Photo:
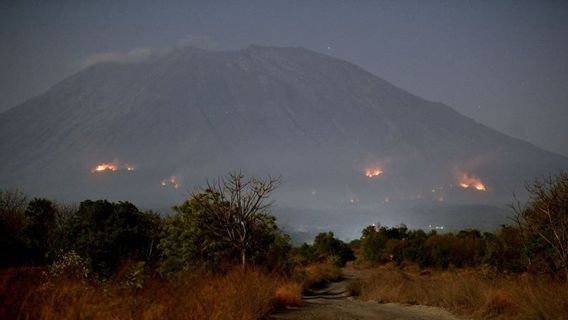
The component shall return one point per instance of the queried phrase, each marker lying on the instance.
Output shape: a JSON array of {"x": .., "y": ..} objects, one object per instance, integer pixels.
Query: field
[{"x": 473, "y": 293}]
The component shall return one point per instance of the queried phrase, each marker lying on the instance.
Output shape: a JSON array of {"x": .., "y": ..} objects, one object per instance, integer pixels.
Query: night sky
[{"x": 504, "y": 63}]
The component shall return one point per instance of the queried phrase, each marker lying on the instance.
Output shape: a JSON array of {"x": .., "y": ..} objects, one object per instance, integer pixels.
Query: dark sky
[{"x": 504, "y": 63}]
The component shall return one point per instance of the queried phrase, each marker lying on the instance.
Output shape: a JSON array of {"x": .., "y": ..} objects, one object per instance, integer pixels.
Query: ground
[{"x": 334, "y": 301}]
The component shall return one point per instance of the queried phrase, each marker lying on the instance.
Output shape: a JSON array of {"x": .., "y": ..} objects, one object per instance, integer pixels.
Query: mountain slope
[{"x": 318, "y": 121}]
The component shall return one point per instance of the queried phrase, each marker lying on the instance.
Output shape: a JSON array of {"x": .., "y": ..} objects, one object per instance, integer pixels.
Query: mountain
[{"x": 165, "y": 124}]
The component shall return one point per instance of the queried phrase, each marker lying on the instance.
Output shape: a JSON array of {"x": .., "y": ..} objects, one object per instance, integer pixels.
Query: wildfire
[
  {"x": 171, "y": 181},
  {"x": 111, "y": 166},
  {"x": 105, "y": 167},
  {"x": 466, "y": 181},
  {"x": 373, "y": 172}
]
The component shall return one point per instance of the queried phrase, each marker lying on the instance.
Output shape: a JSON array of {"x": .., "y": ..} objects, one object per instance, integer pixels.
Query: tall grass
[
  {"x": 318, "y": 274},
  {"x": 234, "y": 295},
  {"x": 473, "y": 293}
]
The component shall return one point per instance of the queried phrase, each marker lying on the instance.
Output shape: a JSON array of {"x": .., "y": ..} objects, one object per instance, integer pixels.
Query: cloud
[{"x": 144, "y": 54}]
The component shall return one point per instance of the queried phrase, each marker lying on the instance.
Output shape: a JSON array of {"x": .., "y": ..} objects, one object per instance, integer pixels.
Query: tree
[
  {"x": 233, "y": 213},
  {"x": 327, "y": 246},
  {"x": 544, "y": 223},
  {"x": 185, "y": 243},
  {"x": 107, "y": 233},
  {"x": 373, "y": 242},
  {"x": 504, "y": 250},
  {"x": 12, "y": 220},
  {"x": 39, "y": 230}
]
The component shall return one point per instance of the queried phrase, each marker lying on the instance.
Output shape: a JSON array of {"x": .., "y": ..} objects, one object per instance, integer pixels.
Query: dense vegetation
[
  {"x": 226, "y": 230},
  {"x": 502, "y": 250}
]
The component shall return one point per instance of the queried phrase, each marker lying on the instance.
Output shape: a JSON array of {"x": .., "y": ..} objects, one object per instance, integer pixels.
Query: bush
[
  {"x": 327, "y": 247},
  {"x": 13, "y": 250},
  {"x": 106, "y": 234},
  {"x": 234, "y": 295},
  {"x": 472, "y": 294},
  {"x": 195, "y": 237},
  {"x": 68, "y": 266},
  {"x": 544, "y": 224}
]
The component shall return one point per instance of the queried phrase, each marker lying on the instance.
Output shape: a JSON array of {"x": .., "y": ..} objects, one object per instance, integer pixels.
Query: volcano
[{"x": 348, "y": 145}]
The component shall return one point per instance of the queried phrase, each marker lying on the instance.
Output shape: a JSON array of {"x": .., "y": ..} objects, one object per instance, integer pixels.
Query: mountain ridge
[{"x": 317, "y": 120}]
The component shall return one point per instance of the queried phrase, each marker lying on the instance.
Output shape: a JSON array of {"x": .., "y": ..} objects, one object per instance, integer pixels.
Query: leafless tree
[
  {"x": 12, "y": 201},
  {"x": 64, "y": 211},
  {"x": 545, "y": 216},
  {"x": 243, "y": 218}
]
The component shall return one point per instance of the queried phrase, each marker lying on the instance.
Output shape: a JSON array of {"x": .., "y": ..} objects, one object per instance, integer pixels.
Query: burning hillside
[
  {"x": 467, "y": 181},
  {"x": 373, "y": 172},
  {"x": 111, "y": 166},
  {"x": 171, "y": 181}
]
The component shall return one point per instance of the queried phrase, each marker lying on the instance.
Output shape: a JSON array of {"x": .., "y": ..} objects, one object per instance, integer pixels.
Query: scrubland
[
  {"x": 219, "y": 257},
  {"x": 29, "y": 293},
  {"x": 470, "y": 292},
  {"x": 236, "y": 294}
]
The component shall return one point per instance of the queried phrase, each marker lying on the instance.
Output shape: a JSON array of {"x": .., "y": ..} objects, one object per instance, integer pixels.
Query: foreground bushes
[
  {"x": 233, "y": 295},
  {"x": 471, "y": 292}
]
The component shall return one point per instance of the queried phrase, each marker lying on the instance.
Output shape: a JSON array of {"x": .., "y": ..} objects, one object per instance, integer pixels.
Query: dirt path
[{"x": 335, "y": 302}]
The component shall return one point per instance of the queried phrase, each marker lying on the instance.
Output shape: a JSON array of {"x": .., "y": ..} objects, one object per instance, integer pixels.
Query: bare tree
[
  {"x": 12, "y": 201},
  {"x": 243, "y": 219},
  {"x": 545, "y": 217}
]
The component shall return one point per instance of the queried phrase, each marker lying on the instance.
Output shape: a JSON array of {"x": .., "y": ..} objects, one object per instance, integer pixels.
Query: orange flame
[
  {"x": 466, "y": 181},
  {"x": 172, "y": 181},
  {"x": 373, "y": 172},
  {"x": 112, "y": 166},
  {"x": 105, "y": 167}
]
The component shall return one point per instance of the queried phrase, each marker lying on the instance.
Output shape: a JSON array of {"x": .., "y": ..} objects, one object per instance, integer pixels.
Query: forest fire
[
  {"x": 104, "y": 167},
  {"x": 373, "y": 172},
  {"x": 466, "y": 181},
  {"x": 111, "y": 166},
  {"x": 171, "y": 181}
]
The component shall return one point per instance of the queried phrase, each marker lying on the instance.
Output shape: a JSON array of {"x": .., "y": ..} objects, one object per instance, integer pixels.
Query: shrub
[
  {"x": 106, "y": 234},
  {"x": 326, "y": 246},
  {"x": 68, "y": 266}
]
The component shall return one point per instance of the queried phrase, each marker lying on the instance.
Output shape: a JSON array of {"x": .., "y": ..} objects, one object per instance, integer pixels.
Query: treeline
[
  {"x": 221, "y": 226},
  {"x": 228, "y": 223},
  {"x": 101, "y": 236},
  {"x": 537, "y": 240},
  {"x": 502, "y": 250}
]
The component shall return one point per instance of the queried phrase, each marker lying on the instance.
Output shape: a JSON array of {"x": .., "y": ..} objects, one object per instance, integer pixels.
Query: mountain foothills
[{"x": 351, "y": 148}]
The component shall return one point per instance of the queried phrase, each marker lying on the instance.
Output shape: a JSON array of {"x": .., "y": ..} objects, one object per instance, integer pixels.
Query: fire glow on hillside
[
  {"x": 171, "y": 181},
  {"x": 104, "y": 167},
  {"x": 373, "y": 172},
  {"x": 111, "y": 166},
  {"x": 469, "y": 181}
]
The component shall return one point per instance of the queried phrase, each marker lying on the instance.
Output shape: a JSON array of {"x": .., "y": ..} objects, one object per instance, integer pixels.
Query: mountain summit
[{"x": 340, "y": 137}]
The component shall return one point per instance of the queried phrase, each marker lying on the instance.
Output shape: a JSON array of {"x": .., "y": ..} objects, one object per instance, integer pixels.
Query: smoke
[
  {"x": 147, "y": 53},
  {"x": 134, "y": 55}
]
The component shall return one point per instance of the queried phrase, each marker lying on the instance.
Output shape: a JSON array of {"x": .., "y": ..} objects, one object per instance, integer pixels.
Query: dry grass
[
  {"x": 289, "y": 294},
  {"x": 318, "y": 274},
  {"x": 472, "y": 293},
  {"x": 235, "y": 295},
  {"x": 17, "y": 286}
]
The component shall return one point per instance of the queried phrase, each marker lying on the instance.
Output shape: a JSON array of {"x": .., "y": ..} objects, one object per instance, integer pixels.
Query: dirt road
[{"x": 335, "y": 302}]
